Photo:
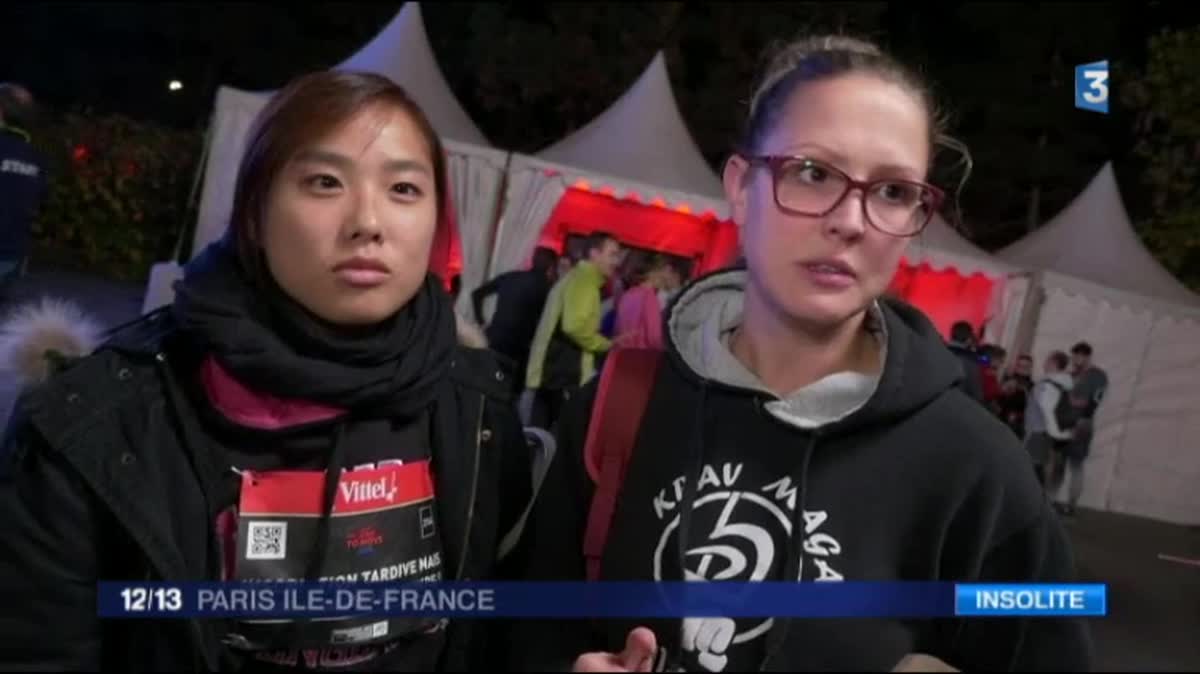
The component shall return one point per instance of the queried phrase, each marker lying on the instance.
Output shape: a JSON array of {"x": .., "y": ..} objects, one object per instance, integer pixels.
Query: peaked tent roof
[
  {"x": 641, "y": 136},
  {"x": 402, "y": 52},
  {"x": 941, "y": 246},
  {"x": 1093, "y": 239}
]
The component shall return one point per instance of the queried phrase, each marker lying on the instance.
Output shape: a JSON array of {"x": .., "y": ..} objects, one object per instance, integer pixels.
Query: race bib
[{"x": 382, "y": 528}]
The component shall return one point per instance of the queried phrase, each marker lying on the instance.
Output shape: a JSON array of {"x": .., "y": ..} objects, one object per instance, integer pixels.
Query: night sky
[{"x": 528, "y": 74}]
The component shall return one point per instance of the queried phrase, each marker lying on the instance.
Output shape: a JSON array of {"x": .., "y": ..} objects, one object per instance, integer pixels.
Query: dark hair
[
  {"x": 824, "y": 57},
  {"x": 1082, "y": 349},
  {"x": 674, "y": 266},
  {"x": 1059, "y": 359},
  {"x": 962, "y": 332},
  {"x": 544, "y": 259},
  {"x": 17, "y": 107},
  {"x": 1025, "y": 356},
  {"x": 596, "y": 241},
  {"x": 311, "y": 106},
  {"x": 647, "y": 264}
]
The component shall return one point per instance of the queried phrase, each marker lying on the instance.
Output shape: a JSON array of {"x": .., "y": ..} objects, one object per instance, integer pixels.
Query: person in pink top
[{"x": 639, "y": 311}]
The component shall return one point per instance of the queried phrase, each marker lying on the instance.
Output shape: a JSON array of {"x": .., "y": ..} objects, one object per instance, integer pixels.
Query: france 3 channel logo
[{"x": 1091, "y": 87}]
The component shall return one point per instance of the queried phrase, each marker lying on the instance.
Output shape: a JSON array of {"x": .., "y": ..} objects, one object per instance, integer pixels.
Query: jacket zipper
[{"x": 462, "y": 563}]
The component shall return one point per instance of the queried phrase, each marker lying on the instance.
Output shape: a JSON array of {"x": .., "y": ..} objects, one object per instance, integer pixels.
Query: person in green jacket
[{"x": 568, "y": 340}]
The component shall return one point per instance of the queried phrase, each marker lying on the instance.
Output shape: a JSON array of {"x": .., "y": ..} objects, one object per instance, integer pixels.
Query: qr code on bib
[{"x": 268, "y": 540}]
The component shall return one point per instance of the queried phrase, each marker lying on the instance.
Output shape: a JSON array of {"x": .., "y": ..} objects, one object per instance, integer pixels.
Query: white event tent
[
  {"x": 401, "y": 52},
  {"x": 1098, "y": 283},
  {"x": 638, "y": 148}
]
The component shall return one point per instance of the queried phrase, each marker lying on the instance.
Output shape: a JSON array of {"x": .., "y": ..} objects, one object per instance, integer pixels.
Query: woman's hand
[{"x": 638, "y": 656}]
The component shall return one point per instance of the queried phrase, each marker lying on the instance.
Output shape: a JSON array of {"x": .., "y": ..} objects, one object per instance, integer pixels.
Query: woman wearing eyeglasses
[{"x": 802, "y": 425}]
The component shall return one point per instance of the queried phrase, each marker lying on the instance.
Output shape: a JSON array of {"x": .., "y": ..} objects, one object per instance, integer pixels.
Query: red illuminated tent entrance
[
  {"x": 703, "y": 238},
  {"x": 945, "y": 295}
]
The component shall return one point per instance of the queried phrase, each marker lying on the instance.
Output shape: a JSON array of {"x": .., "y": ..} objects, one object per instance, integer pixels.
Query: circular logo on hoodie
[{"x": 735, "y": 535}]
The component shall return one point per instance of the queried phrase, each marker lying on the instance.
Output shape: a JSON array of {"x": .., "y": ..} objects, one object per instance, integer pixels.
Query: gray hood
[{"x": 700, "y": 323}]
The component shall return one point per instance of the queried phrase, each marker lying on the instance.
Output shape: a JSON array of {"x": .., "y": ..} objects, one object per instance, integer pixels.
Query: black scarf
[{"x": 272, "y": 344}]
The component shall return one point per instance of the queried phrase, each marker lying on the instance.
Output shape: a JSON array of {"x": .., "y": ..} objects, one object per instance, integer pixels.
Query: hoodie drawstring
[
  {"x": 695, "y": 467},
  {"x": 333, "y": 474},
  {"x": 793, "y": 563}
]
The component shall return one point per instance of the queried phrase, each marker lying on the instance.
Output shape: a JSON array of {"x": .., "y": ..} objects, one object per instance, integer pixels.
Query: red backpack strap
[{"x": 621, "y": 399}]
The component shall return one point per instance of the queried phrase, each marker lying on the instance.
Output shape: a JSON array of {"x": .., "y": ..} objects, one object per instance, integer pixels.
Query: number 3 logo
[
  {"x": 1098, "y": 83},
  {"x": 1091, "y": 86}
]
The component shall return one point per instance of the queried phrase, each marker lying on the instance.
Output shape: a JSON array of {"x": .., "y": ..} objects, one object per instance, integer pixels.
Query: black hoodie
[{"x": 900, "y": 477}]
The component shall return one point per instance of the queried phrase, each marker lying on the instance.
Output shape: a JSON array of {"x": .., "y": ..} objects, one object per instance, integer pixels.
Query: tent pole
[{"x": 192, "y": 196}]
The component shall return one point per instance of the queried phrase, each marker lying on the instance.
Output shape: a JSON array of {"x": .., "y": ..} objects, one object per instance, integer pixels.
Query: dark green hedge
[{"x": 118, "y": 194}]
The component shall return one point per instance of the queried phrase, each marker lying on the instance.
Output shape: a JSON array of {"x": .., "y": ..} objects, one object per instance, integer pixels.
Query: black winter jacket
[{"x": 97, "y": 485}]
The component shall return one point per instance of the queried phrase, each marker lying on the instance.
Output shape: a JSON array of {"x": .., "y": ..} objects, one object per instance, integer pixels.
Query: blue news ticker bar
[
  {"x": 1026, "y": 599},
  {"x": 596, "y": 600}
]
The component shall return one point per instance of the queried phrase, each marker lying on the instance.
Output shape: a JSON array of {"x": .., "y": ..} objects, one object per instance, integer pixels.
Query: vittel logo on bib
[{"x": 359, "y": 492}]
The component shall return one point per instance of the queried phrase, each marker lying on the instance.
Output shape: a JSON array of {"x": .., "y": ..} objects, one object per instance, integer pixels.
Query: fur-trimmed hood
[{"x": 37, "y": 336}]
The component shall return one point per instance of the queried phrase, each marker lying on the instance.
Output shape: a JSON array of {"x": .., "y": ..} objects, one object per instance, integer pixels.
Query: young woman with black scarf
[{"x": 302, "y": 411}]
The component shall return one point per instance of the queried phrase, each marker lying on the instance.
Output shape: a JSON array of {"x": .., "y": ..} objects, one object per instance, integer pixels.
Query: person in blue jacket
[{"x": 22, "y": 179}]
